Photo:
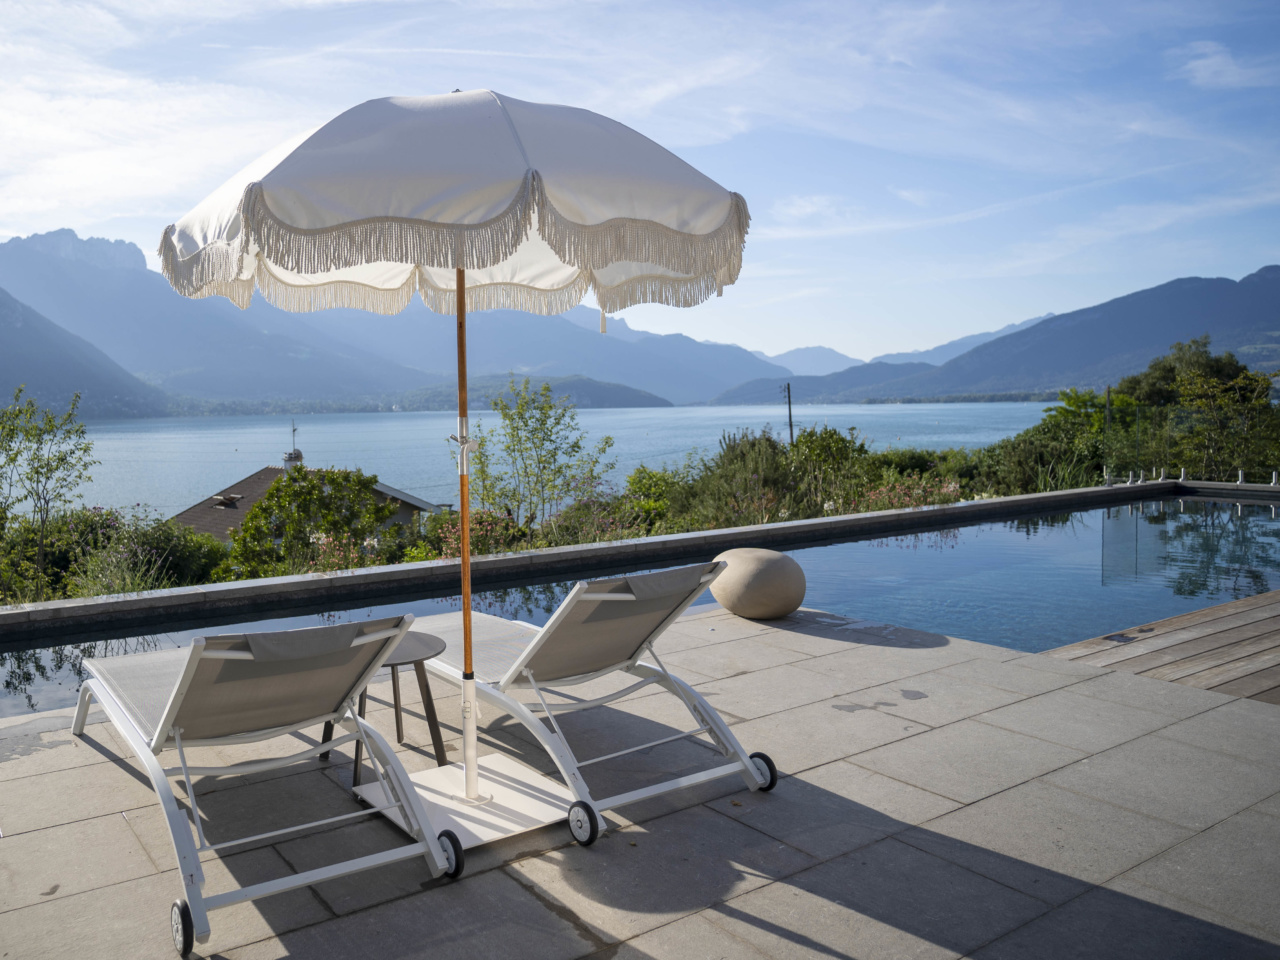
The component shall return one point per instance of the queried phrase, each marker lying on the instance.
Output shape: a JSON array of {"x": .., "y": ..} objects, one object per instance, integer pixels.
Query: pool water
[
  {"x": 1029, "y": 584},
  {"x": 1035, "y": 584}
]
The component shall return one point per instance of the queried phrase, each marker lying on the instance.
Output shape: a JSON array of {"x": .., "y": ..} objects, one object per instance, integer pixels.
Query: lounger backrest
[
  {"x": 294, "y": 677},
  {"x": 588, "y": 635}
]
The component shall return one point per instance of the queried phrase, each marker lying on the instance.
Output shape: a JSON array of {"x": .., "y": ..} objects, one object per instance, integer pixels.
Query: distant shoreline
[{"x": 198, "y": 409}]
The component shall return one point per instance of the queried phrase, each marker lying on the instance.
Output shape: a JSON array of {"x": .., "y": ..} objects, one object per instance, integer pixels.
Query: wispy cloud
[
  {"x": 114, "y": 110},
  {"x": 918, "y": 198},
  {"x": 1212, "y": 66},
  {"x": 1121, "y": 223}
]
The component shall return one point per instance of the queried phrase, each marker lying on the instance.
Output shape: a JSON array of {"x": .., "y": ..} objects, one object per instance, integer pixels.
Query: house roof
[{"x": 223, "y": 512}]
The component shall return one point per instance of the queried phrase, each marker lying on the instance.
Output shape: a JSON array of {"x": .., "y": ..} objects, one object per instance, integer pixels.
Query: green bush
[
  {"x": 91, "y": 551},
  {"x": 308, "y": 521}
]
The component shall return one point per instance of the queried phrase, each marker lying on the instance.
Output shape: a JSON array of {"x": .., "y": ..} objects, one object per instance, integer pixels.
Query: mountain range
[
  {"x": 208, "y": 349},
  {"x": 89, "y": 315},
  {"x": 1087, "y": 348},
  {"x": 953, "y": 348},
  {"x": 811, "y": 361}
]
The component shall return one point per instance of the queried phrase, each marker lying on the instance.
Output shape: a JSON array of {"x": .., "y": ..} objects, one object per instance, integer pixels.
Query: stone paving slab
[
  {"x": 1083, "y": 723},
  {"x": 1231, "y": 867},
  {"x": 788, "y": 735},
  {"x": 934, "y": 699},
  {"x": 645, "y": 876},
  {"x": 968, "y": 760},
  {"x": 940, "y": 798},
  {"x": 1174, "y": 781},
  {"x": 1049, "y": 843},
  {"x": 918, "y": 906},
  {"x": 835, "y": 808}
]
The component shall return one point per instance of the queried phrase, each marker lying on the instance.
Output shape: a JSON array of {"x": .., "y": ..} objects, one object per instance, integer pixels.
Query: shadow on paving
[
  {"x": 888, "y": 888},
  {"x": 804, "y": 871}
]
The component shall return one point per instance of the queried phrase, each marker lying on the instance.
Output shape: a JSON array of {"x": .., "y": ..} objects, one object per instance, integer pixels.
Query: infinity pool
[{"x": 1029, "y": 584}]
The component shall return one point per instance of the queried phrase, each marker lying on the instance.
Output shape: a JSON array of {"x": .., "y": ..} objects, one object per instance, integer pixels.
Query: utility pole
[{"x": 791, "y": 430}]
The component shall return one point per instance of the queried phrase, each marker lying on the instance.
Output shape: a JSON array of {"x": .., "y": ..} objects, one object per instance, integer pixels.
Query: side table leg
[
  {"x": 355, "y": 774},
  {"x": 429, "y": 708},
  {"x": 325, "y": 738},
  {"x": 395, "y": 696}
]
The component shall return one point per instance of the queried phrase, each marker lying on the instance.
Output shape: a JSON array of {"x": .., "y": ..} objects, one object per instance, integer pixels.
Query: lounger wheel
[
  {"x": 583, "y": 823},
  {"x": 455, "y": 860},
  {"x": 766, "y": 769},
  {"x": 183, "y": 929}
]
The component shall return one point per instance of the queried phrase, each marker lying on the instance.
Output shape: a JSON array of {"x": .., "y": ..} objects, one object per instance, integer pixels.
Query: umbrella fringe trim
[
  {"x": 595, "y": 246},
  {"x": 212, "y": 270},
  {"x": 387, "y": 239},
  {"x": 670, "y": 291},
  {"x": 304, "y": 298},
  {"x": 507, "y": 296}
]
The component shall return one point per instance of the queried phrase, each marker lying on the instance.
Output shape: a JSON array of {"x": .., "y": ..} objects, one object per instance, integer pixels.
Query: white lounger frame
[
  {"x": 553, "y": 739},
  {"x": 387, "y": 767}
]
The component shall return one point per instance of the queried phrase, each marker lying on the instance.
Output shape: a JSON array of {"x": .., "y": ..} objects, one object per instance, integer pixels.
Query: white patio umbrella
[{"x": 476, "y": 201}]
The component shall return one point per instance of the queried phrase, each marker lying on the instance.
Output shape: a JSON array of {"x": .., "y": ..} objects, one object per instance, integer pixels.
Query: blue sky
[{"x": 915, "y": 171}]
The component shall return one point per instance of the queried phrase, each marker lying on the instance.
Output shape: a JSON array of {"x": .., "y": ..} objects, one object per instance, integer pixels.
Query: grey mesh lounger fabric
[
  {"x": 239, "y": 688},
  {"x": 602, "y": 627}
]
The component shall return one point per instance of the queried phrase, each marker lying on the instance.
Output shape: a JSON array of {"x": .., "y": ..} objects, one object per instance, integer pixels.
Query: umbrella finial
[{"x": 602, "y": 318}]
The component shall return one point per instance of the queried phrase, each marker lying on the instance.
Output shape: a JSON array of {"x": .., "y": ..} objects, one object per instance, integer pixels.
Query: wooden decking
[{"x": 1232, "y": 648}]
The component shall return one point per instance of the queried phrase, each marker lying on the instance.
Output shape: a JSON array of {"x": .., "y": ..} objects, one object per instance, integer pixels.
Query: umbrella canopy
[
  {"x": 519, "y": 205},
  {"x": 539, "y": 203}
]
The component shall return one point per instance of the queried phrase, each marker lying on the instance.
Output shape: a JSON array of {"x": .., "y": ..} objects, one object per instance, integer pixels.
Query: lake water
[
  {"x": 1030, "y": 584},
  {"x": 171, "y": 464}
]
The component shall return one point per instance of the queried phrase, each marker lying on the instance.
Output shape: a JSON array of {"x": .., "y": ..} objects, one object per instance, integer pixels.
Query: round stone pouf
[{"x": 759, "y": 584}]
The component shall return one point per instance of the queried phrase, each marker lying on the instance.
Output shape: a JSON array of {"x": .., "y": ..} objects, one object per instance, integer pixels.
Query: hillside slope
[
  {"x": 583, "y": 392},
  {"x": 832, "y": 388},
  {"x": 953, "y": 348},
  {"x": 53, "y": 365},
  {"x": 102, "y": 291}
]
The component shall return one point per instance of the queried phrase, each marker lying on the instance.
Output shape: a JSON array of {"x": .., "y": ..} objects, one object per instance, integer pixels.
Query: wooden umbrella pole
[{"x": 471, "y": 774}]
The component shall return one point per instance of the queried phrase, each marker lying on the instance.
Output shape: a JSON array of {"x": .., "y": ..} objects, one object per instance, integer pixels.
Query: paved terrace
[{"x": 942, "y": 798}]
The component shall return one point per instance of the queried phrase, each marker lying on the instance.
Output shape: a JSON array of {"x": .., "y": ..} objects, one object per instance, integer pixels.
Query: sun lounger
[
  {"x": 242, "y": 688},
  {"x": 602, "y": 627}
]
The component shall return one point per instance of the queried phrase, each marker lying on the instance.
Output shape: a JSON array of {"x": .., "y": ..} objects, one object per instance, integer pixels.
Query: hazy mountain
[
  {"x": 589, "y": 319},
  {"x": 1087, "y": 348},
  {"x": 953, "y": 348},
  {"x": 832, "y": 388},
  {"x": 811, "y": 361},
  {"x": 54, "y": 364},
  {"x": 672, "y": 366},
  {"x": 584, "y": 392},
  {"x": 101, "y": 290}
]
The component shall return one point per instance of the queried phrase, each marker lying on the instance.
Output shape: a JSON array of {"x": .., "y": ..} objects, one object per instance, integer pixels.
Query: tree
[
  {"x": 1157, "y": 386},
  {"x": 11, "y": 456},
  {"x": 309, "y": 520},
  {"x": 56, "y": 456},
  {"x": 1231, "y": 425},
  {"x": 538, "y": 459}
]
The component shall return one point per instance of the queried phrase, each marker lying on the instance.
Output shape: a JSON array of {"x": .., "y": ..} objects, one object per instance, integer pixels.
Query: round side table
[{"x": 413, "y": 648}]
